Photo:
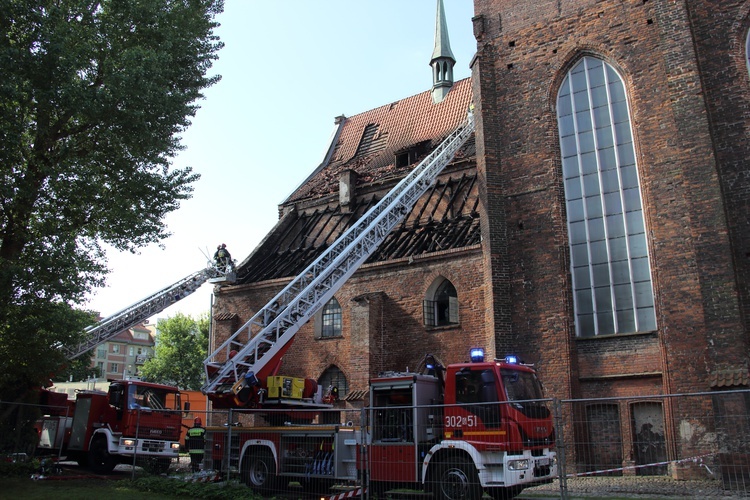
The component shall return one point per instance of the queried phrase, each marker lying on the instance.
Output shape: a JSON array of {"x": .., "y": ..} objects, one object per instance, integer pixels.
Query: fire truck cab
[{"x": 482, "y": 428}]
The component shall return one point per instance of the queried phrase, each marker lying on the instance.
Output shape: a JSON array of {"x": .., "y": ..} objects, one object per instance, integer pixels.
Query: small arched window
[
  {"x": 334, "y": 377},
  {"x": 441, "y": 304},
  {"x": 329, "y": 321}
]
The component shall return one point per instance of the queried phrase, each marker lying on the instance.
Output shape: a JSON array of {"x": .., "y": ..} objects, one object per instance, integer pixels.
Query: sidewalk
[{"x": 662, "y": 487}]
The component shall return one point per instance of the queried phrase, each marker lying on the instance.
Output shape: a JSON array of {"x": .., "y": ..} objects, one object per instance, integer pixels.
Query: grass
[
  {"x": 17, "y": 481},
  {"x": 24, "y": 487}
]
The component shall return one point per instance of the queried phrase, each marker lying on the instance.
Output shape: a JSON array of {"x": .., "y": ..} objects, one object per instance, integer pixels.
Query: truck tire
[
  {"x": 259, "y": 470},
  {"x": 100, "y": 461},
  {"x": 456, "y": 479}
]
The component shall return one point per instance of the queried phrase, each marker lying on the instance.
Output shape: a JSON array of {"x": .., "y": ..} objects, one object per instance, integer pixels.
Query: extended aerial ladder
[
  {"x": 110, "y": 326},
  {"x": 235, "y": 369}
]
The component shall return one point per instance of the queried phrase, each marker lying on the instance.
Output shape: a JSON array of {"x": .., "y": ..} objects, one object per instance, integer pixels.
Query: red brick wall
[
  {"x": 524, "y": 52},
  {"x": 721, "y": 30},
  {"x": 383, "y": 326}
]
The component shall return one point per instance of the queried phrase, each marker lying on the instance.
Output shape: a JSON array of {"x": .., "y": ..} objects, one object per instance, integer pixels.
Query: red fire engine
[
  {"x": 455, "y": 431},
  {"x": 101, "y": 429},
  {"x": 134, "y": 420}
]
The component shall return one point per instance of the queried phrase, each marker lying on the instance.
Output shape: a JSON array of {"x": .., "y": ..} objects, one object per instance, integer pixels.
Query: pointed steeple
[{"x": 442, "y": 61}]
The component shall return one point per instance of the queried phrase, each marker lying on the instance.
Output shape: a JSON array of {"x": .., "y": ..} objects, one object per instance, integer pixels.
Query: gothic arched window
[
  {"x": 606, "y": 230},
  {"x": 329, "y": 321},
  {"x": 441, "y": 304},
  {"x": 334, "y": 377}
]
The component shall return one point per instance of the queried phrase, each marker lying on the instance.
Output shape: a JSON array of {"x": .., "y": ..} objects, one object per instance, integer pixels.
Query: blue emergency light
[
  {"x": 476, "y": 354},
  {"x": 251, "y": 379},
  {"x": 511, "y": 360}
]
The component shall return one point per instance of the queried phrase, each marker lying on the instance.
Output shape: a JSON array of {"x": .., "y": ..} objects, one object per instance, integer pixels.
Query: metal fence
[{"x": 694, "y": 445}]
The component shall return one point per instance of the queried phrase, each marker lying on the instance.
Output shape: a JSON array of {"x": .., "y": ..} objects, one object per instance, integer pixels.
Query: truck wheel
[
  {"x": 457, "y": 479},
  {"x": 100, "y": 461},
  {"x": 259, "y": 470}
]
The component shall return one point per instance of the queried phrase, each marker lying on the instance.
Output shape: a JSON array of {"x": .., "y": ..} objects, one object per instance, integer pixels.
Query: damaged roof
[
  {"x": 368, "y": 143},
  {"x": 446, "y": 217}
]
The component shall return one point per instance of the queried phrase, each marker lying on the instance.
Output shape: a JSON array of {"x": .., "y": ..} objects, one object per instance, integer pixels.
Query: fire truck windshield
[
  {"x": 140, "y": 397},
  {"x": 521, "y": 385}
]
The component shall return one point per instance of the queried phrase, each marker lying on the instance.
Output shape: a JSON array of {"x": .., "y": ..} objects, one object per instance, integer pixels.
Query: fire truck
[
  {"x": 133, "y": 422},
  {"x": 457, "y": 430}
]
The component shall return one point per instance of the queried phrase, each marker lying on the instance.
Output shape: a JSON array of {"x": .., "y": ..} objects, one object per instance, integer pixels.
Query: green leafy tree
[
  {"x": 181, "y": 347},
  {"x": 78, "y": 369},
  {"x": 94, "y": 95}
]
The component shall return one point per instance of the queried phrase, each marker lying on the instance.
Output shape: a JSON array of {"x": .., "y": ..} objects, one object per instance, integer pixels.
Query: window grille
[{"x": 335, "y": 377}]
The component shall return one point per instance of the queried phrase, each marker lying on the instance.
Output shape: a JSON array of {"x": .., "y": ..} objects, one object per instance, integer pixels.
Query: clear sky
[{"x": 288, "y": 69}]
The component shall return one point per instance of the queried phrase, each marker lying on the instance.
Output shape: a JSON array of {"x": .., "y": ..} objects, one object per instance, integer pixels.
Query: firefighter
[
  {"x": 223, "y": 258},
  {"x": 195, "y": 443}
]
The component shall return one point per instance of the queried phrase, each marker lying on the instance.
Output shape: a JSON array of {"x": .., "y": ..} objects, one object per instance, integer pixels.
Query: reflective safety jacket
[{"x": 195, "y": 441}]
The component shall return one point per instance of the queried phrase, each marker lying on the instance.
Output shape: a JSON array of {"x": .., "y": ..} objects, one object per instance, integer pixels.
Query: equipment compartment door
[
  {"x": 80, "y": 432},
  {"x": 393, "y": 462}
]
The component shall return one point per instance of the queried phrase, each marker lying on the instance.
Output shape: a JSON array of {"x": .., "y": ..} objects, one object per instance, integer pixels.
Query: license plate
[{"x": 543, "y": 461}]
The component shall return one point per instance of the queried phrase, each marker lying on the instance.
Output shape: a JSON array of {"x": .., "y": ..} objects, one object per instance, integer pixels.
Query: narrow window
[
  {"x": 603, "y": 449},
  {"x": 441, "y": 304},
  {"x": 331, "y": 319},
  {"x": 334, "y": 379},
  {"x": 649, "y": 442},
  {"x": 402, "y": 159},
  {"x": 609, "y": 257}
]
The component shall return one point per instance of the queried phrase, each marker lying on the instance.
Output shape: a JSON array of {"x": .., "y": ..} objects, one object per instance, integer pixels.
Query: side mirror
[
  {"x": 186, "y": 406},
  {"x": 115, "y": 398}
]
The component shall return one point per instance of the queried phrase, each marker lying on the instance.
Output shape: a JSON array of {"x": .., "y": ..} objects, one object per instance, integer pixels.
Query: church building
[
  {"x": 597, "y": 225},
  {"x": 423, "y": 291}
]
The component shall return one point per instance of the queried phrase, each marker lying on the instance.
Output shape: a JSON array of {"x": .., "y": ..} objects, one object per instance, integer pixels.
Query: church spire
[{"x": 442, "y": 58}]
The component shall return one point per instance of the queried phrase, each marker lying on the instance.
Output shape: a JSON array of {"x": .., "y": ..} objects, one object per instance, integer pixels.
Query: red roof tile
[
  {"x": 737, "y": 377},
  {"x": 385, "y": 131}
]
